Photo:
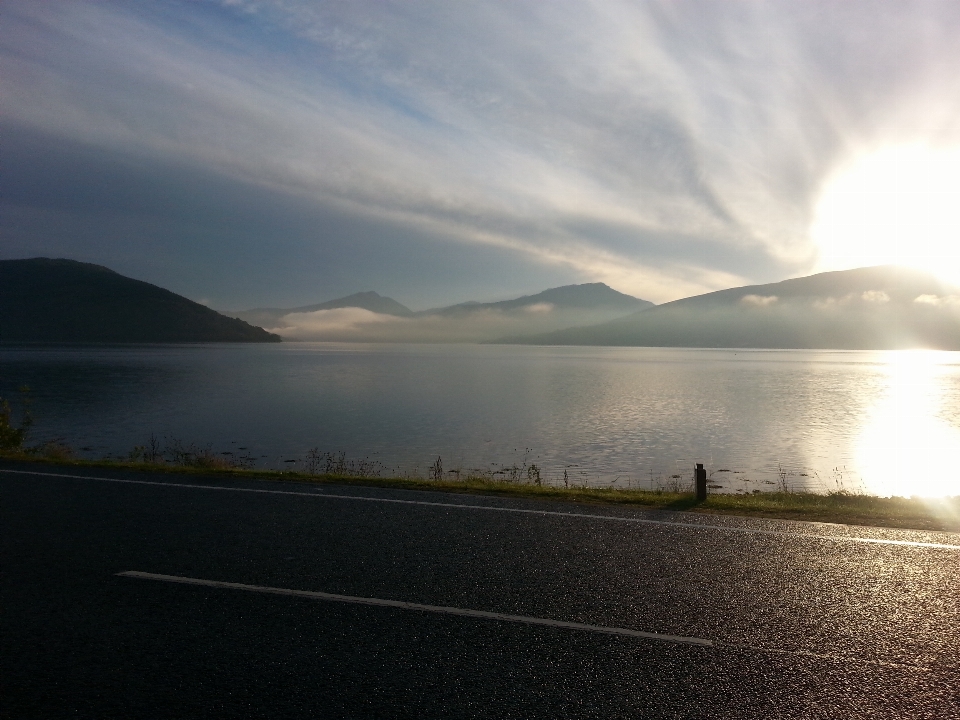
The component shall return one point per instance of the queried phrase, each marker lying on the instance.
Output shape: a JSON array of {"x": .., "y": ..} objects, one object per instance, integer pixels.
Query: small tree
[{"x": 11, "y": 436}]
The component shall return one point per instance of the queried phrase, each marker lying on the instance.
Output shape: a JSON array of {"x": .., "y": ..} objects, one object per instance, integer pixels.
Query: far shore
[{"x": 939, "y": 514}]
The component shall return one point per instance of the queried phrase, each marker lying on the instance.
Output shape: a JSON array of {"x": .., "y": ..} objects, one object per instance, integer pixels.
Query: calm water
[{"x": 885, "y": 422}]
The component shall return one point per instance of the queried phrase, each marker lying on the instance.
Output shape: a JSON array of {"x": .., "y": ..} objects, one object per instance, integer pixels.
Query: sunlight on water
[
  {"x": 877, "y": 422},
  {"x": 906, "y": 447}
]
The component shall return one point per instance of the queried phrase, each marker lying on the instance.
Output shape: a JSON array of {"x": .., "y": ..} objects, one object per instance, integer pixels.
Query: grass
[{"x": 854, "y": 509}]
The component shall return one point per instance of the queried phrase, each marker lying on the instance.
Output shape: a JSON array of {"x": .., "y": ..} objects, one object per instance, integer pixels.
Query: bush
[{"x": 11, "y": 436}]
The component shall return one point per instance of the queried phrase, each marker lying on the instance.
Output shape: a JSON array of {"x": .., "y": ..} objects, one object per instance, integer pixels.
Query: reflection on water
[
  {"x": 906, "y": 446},
  {"x": 641, "y": 417}
]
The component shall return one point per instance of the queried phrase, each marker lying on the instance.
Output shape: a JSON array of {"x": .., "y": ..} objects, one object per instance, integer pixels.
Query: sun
[{"x": 898, "y": 205}]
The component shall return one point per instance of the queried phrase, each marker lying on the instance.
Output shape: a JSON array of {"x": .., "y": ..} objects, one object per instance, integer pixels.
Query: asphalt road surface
[{"x": 152, "y": 596}]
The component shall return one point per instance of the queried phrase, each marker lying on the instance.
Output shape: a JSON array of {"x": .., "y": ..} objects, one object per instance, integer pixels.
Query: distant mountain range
[
  {"x": 44, "y": 300},
  {"x": 872, "y": 308},
  {"x": 869, "y": 308},
  {"x": 369, "y": 317}
]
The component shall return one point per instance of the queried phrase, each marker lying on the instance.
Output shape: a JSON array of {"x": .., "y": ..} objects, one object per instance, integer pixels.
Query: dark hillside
[{"x": 44, "y": 300}]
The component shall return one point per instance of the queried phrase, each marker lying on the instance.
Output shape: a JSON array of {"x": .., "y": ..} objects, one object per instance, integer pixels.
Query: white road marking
[
  {"x": 491, "y": 508},
  {"x": 503, "y": 617},
  {"x": 440, "y": 609}
]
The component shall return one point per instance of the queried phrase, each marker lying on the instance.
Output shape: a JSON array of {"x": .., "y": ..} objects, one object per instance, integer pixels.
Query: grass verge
[{"x": 852, "y": 509}]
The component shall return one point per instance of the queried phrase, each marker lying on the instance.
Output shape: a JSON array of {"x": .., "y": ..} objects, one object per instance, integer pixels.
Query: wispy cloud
[
  {"x": 664, "y": 148},
  {"x": 950, "y": 301},
  {"x": 338, "y": 323},
  {"x": 458, "y": 324},
  {"x": 758, "y": 300}
]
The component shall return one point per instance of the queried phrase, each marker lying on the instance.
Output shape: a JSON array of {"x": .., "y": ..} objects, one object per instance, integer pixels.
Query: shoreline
[{"x": 933, "y": 514}]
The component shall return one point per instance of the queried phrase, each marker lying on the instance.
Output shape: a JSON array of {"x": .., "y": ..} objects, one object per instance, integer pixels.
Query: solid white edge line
[
  {"x": 526, "y": 511},
  {"x": 439, "y": 609},
  {"x": 503, "y": 617}
]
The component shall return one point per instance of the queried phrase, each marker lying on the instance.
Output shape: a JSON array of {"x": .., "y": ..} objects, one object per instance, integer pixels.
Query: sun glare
[
  {"x": 905, "y": 447},
  {"x": 899, "y": 205}
]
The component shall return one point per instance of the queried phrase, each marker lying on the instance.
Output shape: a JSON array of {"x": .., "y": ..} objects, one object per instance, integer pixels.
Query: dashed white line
[
  {"x": 491, "y": 508},
  {"x": 439, "y": 609}
]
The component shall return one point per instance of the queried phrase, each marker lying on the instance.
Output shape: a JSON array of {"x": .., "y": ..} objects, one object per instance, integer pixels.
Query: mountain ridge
[
  {"x": 61, "y": 300},
  {"x": 582, "y": 296},
  {"x": 370, "y": 317},
  {"x": 882, "y": 307}
]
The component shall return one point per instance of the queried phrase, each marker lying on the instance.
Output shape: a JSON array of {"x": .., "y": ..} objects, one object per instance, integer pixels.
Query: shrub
[{"x": 12, "y": 436}]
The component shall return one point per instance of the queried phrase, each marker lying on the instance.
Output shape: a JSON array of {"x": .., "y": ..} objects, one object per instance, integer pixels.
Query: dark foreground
[{"x": 781, "y": 620}]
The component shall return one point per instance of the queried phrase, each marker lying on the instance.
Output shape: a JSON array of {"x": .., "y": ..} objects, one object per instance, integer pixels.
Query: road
[{"x": 129, "y": 594}]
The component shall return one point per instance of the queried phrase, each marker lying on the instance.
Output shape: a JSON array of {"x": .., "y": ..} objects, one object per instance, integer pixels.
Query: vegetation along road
[{"x": 129, "y": 594}]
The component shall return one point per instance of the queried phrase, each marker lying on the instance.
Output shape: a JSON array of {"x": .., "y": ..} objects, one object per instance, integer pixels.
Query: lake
[{"x": 880, "y": 422}]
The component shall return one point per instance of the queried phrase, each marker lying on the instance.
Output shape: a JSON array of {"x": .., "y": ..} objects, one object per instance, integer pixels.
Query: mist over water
[{"x": 882, "y": 422}]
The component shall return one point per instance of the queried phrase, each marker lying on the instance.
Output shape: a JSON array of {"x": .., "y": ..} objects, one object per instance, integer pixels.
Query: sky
[{"x": 250, "y": 153}]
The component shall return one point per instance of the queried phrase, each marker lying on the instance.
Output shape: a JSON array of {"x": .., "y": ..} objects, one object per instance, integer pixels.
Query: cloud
[
  {"x": 759, "y": 300},
  {"x": 938, "y": 301},
  {"x": 868, "y": 297},
  {"x": 359, "y": 325},
  {"x": 322, "y": 324},
  {"x": 454, "y": 325},
  {"x": 665, "y": 148},
  {"x": 543, "y": 307},
  {"x": 832, "y": 303},
  {"x": 875, "y": 296}
]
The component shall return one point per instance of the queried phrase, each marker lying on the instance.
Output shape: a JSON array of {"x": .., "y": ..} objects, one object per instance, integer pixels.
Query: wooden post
[{"x": 701, "y": 478}]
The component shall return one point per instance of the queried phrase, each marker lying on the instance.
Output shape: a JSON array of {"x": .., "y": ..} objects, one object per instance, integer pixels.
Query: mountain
[
  {"x": 44, "y": 300},
  {"x": 591, "y": 297},
  {"x": 271, "y": 317},
  {"x": 368, "y": 317},
  {"x": 874, "y": 308}
]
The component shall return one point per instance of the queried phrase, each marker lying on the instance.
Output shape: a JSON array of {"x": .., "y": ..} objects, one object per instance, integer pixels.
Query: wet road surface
[{"x": 139, "y": 595}]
